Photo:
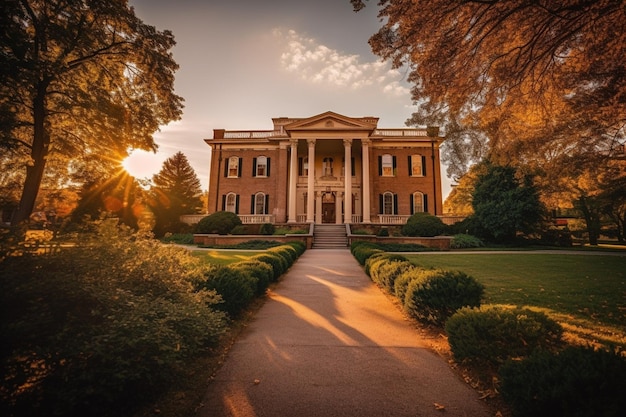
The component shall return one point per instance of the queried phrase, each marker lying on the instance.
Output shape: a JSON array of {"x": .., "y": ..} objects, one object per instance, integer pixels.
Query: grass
[
  {"x": 585, "y": 293},
  {"x": 223, "y": 257}
]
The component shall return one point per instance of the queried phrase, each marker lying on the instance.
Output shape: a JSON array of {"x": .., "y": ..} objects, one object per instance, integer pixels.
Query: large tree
[
  {"x": 79, "y": 79},
  {"x": 175, "y": 191},
  {"x": 515, "y": 80}
]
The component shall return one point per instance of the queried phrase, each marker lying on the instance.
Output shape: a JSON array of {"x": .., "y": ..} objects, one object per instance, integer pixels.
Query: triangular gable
[{"x": 332, "y": 121}]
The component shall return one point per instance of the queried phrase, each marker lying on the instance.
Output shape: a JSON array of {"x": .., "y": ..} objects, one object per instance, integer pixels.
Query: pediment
[{"x": 333, "y": 121}]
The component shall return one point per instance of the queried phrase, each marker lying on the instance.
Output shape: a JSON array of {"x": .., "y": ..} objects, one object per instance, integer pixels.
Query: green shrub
[
  {"x": 383, "y": 269},
  {"x": 267, "y": 229},
  {"x": 438, "y": 294},
  {"x": 275, "y": 261},
  {"x": 423, "y": 224},
  {"x": 102, "y": 326},
  {"x": 288, "y": 253},
  {"x": 221, "y": 222},
  {"x": 463, "y": 241},
  {"x": 403, "y": 247},
  {"x": 299, "y": 246},
  {"x": 401, "y": 283},
  {"x": 383, "y": 232},
  {"x": 494, "y": 334},
  {"x": 240, "y": 229},
  {"x": 263, "y": 273},
  {"x": 576, "y": 382},
  {"x": 236, "y": 286},
  {"x": 363, "y": 250}
]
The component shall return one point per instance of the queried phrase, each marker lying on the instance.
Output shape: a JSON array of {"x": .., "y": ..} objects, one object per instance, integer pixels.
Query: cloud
[{"x": 318, "y": 63}]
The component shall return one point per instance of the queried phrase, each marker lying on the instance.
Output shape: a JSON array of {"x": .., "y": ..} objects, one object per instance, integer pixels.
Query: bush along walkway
[{"x": 329, "y": 343}]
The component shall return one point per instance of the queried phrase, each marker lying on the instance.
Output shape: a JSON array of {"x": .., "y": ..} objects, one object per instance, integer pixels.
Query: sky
[{"x": 243, "y": 62}]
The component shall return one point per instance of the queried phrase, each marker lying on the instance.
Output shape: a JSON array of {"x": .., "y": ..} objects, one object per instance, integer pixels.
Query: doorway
[{"x": 328, "y": 207}]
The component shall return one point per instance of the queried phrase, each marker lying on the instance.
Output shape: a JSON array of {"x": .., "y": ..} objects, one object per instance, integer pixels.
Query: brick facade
[{"x": 267, "y": 174}]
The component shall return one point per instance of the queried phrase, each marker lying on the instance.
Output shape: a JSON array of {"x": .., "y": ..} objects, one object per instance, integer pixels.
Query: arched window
[
  {"x": 388, "y": 206},
  {"x": 327, "y": 167},
  {"x": 260, "y": 203},
  {"x": 231, "y": 203},
  {"x": 417, "y": 203}
]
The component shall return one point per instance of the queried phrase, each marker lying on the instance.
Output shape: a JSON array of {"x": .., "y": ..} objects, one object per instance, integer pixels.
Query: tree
[
  {"x": 175, "y": 191},
  {"x": 521, "y": 80},
  {"x": 80, "y": 79},
  {"x": 505, "y": 204}
]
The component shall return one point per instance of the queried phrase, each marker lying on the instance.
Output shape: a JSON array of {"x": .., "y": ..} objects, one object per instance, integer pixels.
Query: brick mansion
[{"x": 327, "y": 168}]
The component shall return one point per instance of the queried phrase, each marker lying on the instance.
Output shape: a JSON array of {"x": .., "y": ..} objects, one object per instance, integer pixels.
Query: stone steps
[{"x": 330, "y": 236}]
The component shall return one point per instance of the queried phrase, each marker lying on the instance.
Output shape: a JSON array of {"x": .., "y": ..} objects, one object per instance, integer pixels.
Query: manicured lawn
[
  {"x": 223, "y": 257},
  {"x": 583, "y": 292}
]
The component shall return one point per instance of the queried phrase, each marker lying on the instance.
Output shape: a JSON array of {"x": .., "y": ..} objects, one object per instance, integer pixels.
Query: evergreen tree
[
  {"x": 504, "y": 205},
  {"x": 175, "y": 191}
]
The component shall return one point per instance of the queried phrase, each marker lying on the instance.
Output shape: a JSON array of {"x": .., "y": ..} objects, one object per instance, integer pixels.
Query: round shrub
[
  {"x": 274, "y": 260},
  {"x": 385, "y": 270},
  {"x": 363, "y": 250},
  {"x": 402, "y": 281},
  {"x": 423, "y": 224},
  {"x": 221, "y": 222},
  {"x": 267, "y": 229},
  {"x": 259, "y": 270},
  {"x": 236, "y": 286},
  {"x": 494, "y": 334},
  {"x": 378, "y": 257},
  {"x": 438, "y": 294},
  {"x": 576, "y": 382},
  {"x": 463, "y": 241},
  {"x": 286, "y": 252}
]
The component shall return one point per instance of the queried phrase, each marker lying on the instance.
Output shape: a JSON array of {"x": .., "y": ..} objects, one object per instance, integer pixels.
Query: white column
[
  {"x": 293, "y": 179},
  {"x": 318, "y": 207},
  {"x": 365, "y": 158},
  {"x": 338, "y": 199},
  {"x": 347, "y": 205},
  {"x": 310, "y": 210}
]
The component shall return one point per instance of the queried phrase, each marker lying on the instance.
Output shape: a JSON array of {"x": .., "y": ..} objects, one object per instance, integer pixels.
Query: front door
[{"x": 328, "y": 208}]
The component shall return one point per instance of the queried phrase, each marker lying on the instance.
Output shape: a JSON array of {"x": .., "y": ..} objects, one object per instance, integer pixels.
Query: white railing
[
  {"x": 243, "y": 134},
  {"x": 357, "y": 218},
  {"x": 401, "y": 132},
  {"x": 301, "y": 218},
  {"x": 392, "y": 219},
  {"x": 256, "y": 218}
]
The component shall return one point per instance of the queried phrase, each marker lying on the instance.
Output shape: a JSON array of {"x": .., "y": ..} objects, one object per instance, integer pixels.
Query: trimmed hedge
[
  {"x": 221, "y": 222},
  {"x": 494, "y": 334},
  {"x": 576, "y": 382},
  {"x": 362, "y": 250},
  {"x": 260, "y": 270},
  {"x": 236, "y": 286},
  {"x": 437, "y": 294},
  {"x": 386, "y": 268}
]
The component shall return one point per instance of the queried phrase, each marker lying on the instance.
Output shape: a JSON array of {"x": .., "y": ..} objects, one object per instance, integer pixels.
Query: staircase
[{"x": 330, "y": 236}]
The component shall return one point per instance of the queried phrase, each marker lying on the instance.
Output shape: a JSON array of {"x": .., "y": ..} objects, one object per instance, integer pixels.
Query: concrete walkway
[{"x": 329, "y": 343}]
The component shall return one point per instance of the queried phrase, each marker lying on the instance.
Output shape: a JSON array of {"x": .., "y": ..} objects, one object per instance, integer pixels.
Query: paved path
[{"x": 329, "y": 343}]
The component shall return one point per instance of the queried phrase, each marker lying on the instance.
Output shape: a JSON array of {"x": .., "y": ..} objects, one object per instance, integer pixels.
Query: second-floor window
[
  {"x": 387, "y": 165},
  {"x": 233, "y": 169},
  {"x": 327, "y": 167},
  {"x": 261, "y": 166},
  {"x": 417, "y": 166}
]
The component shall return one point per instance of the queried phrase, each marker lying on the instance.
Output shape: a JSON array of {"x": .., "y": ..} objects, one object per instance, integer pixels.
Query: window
[
  {"x": 327, "y": 167},
  {"x": 388, "y": 203},
  {"x": 231, "y": 203},
  {"x": 261, "y": 166},
  {"x": 303, "y": 166},
  {"x": 259, "y": 203},
  {"x": 233, "y": 169},
  {"x": 418, "y": 203},
  {"x": 417, "y": 166},
  {"x": 387, "y": 165}
]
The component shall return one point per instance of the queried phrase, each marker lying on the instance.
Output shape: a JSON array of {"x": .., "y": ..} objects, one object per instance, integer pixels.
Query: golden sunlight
[{"x": 142, "y": 164}]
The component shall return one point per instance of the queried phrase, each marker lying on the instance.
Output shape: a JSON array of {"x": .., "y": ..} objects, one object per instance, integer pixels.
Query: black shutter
[
  {"x": 253, "y": 167},
  {"x": 300, "y": 167},
  {"x": 352, "y": 167},
  {"x": 268, "y": 167},
  {"x": 380, "y": 165},
  {"x": 425, "y": 203},
  {"x": 226, "y": 167},
  {"x": 267, "y": 204},
  {"x": 223, "y": 202},
  {"x": 423, "y": 165},
  {"x": 410, "y": 166},
  {"x": 381, "y": 204},
  {"x": 395, "y": 165},
  {"x": 395, "y": 204},
  {"x": 412, "y": 205},
  {"x": 240, "y": 166},
  {"x": 237, "y": 204},
  {"x": 252, "y": 204}
]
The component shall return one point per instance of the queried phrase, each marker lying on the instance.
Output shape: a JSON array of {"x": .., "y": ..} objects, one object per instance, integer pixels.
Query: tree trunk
[
  {"x": 592, "y": 219},
  {"x": 39, "y": 152}
]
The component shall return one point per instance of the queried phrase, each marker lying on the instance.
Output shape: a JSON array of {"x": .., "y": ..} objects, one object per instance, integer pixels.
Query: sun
[{"x": 142, "y": 164}]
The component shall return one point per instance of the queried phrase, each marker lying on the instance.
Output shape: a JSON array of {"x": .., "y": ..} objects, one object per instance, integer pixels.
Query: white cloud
[{"x": 318, "y": 63}]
